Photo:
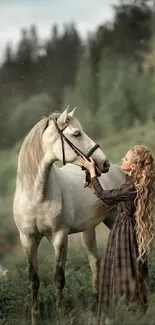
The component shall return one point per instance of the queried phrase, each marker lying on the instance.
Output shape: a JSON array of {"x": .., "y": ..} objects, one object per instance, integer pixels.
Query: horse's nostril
[{"x": 106, "y": 164}]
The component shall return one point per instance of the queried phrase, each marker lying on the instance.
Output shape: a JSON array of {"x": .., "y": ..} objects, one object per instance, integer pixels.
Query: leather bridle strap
[
  {"x": 74, "y": 148},
  {"x": 92, "y": 150}
]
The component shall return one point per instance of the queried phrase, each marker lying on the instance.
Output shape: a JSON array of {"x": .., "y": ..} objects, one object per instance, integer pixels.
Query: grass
[{"x": 15, "y": 295}]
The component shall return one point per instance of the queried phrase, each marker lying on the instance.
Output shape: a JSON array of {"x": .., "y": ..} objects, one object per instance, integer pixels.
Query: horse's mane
[{"x": 31, "y": 152}]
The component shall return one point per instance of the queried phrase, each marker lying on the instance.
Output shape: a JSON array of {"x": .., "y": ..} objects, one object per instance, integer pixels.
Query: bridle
[{"x": 74, "y": 148}]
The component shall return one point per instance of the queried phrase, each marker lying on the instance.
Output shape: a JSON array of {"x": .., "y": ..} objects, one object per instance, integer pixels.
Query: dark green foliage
[{"x": 99, "y": 76}]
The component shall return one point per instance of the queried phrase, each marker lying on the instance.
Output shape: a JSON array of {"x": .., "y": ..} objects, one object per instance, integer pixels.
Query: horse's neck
[
  {"x": 36, "y": 180},
  {"x": 46, "y": 171},
  {"x": 54, "y": 184},
  {"x": 58, "y": 179}
]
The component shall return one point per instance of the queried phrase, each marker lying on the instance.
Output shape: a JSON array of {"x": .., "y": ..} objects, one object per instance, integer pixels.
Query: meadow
[{"x": 15, "y": 290}]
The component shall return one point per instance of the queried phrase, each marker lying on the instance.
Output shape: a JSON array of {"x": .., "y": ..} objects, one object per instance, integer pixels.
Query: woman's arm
[{"x": 110, "y": 197}]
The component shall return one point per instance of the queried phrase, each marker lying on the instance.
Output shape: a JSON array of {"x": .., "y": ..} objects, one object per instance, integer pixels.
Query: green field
[{"x": 15, "y": 296}]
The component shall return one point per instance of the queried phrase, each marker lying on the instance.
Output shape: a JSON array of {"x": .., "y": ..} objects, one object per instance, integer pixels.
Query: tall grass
[{"x": 78, "y": 304}]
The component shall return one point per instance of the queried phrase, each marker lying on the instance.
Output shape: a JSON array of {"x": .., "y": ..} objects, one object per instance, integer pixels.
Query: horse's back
[{"x": 113, "y": 179}]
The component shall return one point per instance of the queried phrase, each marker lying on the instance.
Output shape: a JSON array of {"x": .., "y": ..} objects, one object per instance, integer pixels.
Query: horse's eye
[{"x": 77, "y": 134}]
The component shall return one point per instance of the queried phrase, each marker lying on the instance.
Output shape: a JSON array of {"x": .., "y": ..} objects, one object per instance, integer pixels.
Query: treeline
[{"x": 109, "y": 77}]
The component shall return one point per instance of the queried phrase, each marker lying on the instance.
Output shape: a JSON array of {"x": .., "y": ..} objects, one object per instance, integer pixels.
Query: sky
[{"x": 16, "y": 14}]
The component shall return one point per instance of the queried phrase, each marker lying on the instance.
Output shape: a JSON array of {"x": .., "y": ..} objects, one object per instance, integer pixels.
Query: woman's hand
[
  {"x": 91, "y": 187},
  {"x": 86, "y": 163},
  {"x": 89, "y": 165}
]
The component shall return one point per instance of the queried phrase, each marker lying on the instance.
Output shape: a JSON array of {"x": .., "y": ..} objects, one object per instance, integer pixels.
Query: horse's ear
[
  {"x": 62, "y": 119},
  {"x": 72, "y": 112}
]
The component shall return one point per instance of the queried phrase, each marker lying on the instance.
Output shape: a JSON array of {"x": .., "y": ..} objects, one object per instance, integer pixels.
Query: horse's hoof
[
  {"x": 95, "y": 296},
  {"x": 95, "y": 302},
  {"x": 59, "y": 306},
  {"x": 35, "y": 316},
  {"x": 94, "y": 307}
]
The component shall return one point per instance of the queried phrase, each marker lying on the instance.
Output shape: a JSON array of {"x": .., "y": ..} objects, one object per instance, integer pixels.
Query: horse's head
[{"x": 63, "y": 127}]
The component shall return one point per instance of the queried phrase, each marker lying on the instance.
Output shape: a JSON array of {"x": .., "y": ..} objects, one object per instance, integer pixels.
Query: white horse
[{"x": 52, "y": 202}]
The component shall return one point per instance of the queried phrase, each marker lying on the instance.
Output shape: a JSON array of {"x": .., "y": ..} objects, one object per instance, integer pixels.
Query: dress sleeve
[{"x": 112, "y": 197}]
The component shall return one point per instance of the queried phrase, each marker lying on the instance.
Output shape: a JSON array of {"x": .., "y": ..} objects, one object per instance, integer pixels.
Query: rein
[
  {"x": 74, "y": 148},
  {"x": 77, "y": 151}
]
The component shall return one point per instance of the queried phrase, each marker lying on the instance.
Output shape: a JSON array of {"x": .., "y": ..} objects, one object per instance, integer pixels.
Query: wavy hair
[{"x": 144, "y": 178}]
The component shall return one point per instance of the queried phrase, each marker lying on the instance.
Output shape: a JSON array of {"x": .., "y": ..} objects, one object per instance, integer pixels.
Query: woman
[{"x": 125, "y": 269}]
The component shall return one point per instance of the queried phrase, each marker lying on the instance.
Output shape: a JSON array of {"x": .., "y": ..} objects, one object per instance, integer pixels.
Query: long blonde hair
[{"x": 144, "y": 177}]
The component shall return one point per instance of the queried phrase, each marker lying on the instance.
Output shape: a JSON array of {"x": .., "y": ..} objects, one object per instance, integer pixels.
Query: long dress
[{"x": 121, "y": 275}]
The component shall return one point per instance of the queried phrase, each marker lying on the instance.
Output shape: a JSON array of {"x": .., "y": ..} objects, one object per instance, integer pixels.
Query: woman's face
[{"x": 128, "y": 162}]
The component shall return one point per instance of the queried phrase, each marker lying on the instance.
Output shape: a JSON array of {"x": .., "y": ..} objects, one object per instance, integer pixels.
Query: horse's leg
[
  {"x": 89, "y": 242},
  {"x": 60, "y": 243},
  {"x": 30, "y": 246}
]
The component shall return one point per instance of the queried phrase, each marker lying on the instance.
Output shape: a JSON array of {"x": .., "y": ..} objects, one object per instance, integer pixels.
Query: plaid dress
[{"x": 121, "y": 275}]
